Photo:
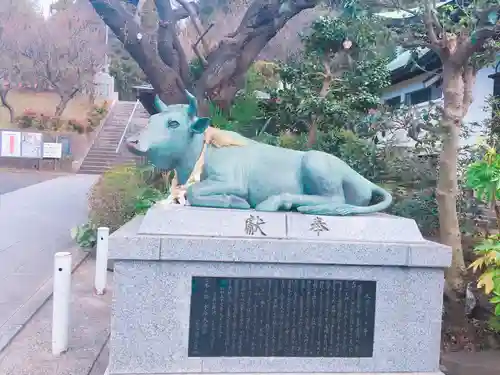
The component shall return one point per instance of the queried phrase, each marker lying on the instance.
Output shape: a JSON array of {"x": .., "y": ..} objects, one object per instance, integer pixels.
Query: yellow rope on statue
[{"x": 212, "y": 136}]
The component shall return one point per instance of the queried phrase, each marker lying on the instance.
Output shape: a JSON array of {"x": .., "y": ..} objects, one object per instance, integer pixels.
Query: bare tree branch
[
  {"x": 169, "y": 47},
  {"x": 193, "y": 15},
  {"x": 166, "y": 81}
]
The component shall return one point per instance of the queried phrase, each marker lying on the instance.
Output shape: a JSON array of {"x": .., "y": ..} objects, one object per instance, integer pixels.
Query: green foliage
[
  {"x": 484, "y": 178},
  {"x": 328, "y": 33},
  {"x": 146, "y": 199},
  {"x": 40, "y": 121},
  {"x": 85, "y": 236},
  {"x": 331, "y": 85},
  {"x": 488, "y": 262},
  {"x": 419, "y": 205},
  {"x": 125, "y": 71},
  {"x": 195, "y": 68},
  {"x": 120, "y": 194},
  {"x": 246, "y": 115},
  {"x": 123, "y": 192}
]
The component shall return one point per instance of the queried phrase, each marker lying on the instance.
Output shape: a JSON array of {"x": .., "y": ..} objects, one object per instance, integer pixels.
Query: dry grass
[{"x": 43, "y": 102}]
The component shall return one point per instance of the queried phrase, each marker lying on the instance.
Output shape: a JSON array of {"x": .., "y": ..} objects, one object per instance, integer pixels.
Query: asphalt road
[
  {"x": 35, "y": 223},
  {"x": 11, "y": 181}
]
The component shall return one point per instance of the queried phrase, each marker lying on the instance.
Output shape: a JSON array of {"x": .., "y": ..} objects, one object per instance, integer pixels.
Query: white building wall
[{"x": 482, "y": 90}]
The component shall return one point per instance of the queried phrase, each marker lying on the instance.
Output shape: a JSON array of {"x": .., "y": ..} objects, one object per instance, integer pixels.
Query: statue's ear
[{"x": 200, "y": 125}]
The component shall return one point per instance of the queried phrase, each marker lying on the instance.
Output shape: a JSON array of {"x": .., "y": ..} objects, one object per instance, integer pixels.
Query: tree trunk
[
  {"x": 63, "y": 103},
  {"x": 312, "y": 134},
  {"x": 226, "y": 65},
  {"x": 5, "y": 103},
  {"x": 447, "y": 186},
  {"x": 229, "y": 62},
  {"x": 169, "y": 47},
  {"x": 165, "y": 80}
]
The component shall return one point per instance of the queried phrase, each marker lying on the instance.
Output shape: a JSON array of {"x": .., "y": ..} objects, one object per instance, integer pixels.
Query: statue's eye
[{"x": 173, "y": 124}]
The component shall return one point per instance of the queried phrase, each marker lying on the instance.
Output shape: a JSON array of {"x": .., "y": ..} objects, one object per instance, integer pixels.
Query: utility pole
[{"x": 106, "y": 58}]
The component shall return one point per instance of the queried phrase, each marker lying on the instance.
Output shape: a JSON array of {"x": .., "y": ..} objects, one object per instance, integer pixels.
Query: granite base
[
  {"x": 309, "y": 373},
  {"x": 157, "y": 256}
]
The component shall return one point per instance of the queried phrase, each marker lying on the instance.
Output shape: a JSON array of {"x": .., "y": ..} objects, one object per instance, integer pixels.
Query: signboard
[
  {"x": 52, "y": 150},
  {"x": 11, "y": 144},
  {"x": 66, "y": 145},
  {"x": 31, "y": 145},
  {"x": 271, "y": 317}
]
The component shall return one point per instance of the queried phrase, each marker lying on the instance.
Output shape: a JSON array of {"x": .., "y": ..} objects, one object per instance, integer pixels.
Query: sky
[{"x": 45, "y": 4}]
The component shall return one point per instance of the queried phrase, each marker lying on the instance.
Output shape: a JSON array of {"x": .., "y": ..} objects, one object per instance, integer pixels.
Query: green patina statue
[{"x": 223, "y": 169}]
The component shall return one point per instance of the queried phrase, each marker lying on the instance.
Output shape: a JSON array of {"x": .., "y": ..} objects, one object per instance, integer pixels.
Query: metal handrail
[{"x": 126, "y": 127}]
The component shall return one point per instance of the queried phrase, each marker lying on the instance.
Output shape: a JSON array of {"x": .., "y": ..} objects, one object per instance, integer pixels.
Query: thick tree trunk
[
  {"x": 226, "y": 65},
  {"x": 447, "y": 187},
  {"x": 169, "y": 47},
  {"x": 165, "y": 80},
  {"x": 229, "y": 62},
  {"x": 5, "y": 103}
]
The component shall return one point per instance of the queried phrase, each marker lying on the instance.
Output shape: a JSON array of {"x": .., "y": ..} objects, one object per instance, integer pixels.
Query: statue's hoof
[
  {"x": 237, "y": 202},
  {"x": 268, "y": 205}
]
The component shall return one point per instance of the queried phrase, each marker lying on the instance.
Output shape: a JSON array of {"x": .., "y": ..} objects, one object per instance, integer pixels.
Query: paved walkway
[
  {"x": 29, "y": 353},
  {"x": 35, "y": 223},
  {"x": 13, "y": 180}
]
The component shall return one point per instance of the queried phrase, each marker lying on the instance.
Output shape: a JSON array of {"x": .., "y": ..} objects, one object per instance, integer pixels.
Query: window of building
[
  {"x": 423, "y": 95},
  {"x": 394, "y": 102}
]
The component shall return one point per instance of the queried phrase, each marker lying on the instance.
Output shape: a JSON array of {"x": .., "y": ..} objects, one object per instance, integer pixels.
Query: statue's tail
[{"x": 383, "y": 198}]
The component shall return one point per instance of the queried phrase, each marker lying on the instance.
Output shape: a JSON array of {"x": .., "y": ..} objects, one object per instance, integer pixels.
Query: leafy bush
[
  {"x": 40, "y": 121},
  {"x": 489, "y": 263},
  {"x": 85, "y": 236},
  {"x": 484, "y": 178},
  {"x": 120, "y": 194},
  {"x": 420, "y": 205}
]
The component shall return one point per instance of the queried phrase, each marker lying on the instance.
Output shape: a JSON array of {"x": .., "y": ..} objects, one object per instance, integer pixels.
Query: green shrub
[
  {"x": 421, "y": 206},
  {"x": 120, "y": 194},
  {"x": 85, "y": 236},
  {"x": 483, "y": 177},
  {"x": 40, "y": 121}
]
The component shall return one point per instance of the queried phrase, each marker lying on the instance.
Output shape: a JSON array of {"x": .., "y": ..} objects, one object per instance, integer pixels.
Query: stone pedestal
[
  {"x": 200, "y": 291},
  {"x": 105, "y": 86}
]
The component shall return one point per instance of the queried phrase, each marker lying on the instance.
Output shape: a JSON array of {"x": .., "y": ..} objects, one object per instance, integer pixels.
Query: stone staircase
[{"x": 103, "y": 155}]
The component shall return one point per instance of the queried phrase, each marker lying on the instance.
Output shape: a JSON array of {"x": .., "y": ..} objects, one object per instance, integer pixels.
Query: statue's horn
[
  {"x": 160, "y": 106},
  {"x": 193, "y": 104}
]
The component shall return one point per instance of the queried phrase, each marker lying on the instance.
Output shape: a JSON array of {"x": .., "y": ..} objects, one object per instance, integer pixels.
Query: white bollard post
[
  {"x": 61, "y": 301},
  {"x": 101, "y": 262}
]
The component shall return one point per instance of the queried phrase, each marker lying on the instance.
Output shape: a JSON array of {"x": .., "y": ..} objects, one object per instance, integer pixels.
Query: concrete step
[
  {"x": 102, "y": 153},
  {"x": 110, "y": 139},
  {"x": 97, "y": 163}
]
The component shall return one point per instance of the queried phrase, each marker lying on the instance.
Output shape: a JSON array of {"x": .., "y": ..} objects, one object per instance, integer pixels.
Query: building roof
[{"x": 409, "y": 64}]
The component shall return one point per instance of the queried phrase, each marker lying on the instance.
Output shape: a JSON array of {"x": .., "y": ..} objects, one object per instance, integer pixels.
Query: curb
[{"x": 23, "y": 315}]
